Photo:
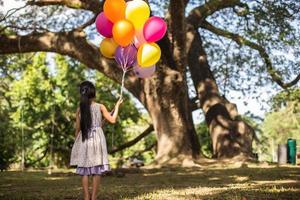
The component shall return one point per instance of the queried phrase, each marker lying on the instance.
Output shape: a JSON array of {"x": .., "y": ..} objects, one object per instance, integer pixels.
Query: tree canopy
[{"x": 217, "y": 46}]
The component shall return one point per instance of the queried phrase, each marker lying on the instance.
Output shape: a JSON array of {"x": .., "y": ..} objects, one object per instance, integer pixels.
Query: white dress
[{"x": 93, "y": 151}]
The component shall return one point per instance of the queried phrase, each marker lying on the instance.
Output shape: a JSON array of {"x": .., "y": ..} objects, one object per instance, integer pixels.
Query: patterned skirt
[
  {"x": 96, "y": 170},
  {"x": 90, "y": 156}
]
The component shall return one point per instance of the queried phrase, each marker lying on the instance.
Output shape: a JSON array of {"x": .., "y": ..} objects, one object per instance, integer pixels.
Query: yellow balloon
[
  {"x": 148, "y": 54},
  {"x": 137, "y": 11},
  {"x": 108, "y": 47}
]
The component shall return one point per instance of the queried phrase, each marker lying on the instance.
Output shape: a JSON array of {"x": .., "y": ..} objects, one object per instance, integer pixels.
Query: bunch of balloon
[{"x": 130, "y": 36}]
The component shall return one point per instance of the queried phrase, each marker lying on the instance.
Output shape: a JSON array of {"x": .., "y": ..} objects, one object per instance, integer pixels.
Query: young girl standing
[{"x": 89, "y": 152}]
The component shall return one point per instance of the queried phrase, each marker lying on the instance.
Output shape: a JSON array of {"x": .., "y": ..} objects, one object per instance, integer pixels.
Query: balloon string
[
  {"x": 122, "y": 87},
  {"x": 121, "y": 95},
  {"x": 124, "y": 67},
  {"x": 123, "y": 77}
]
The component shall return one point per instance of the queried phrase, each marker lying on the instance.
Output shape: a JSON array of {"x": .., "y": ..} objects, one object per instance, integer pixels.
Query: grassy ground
[{"x": 207, "y": 182}]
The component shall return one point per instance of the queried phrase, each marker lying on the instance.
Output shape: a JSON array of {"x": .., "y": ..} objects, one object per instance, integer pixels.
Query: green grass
[{"x": 206, "y": 182}]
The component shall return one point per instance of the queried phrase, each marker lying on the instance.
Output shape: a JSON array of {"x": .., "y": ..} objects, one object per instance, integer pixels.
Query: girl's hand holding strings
[{"x": 120, "y": 101}]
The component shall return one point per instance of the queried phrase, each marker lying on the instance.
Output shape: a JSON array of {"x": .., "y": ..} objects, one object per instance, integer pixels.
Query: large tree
[{"x": 190, "y": 48}]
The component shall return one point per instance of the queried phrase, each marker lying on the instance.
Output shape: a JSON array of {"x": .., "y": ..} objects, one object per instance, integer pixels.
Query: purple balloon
[
  {"x": 126, "y": 56},
  {"x": 104, "y": 26},
  {"x": 143, "y": 72}
]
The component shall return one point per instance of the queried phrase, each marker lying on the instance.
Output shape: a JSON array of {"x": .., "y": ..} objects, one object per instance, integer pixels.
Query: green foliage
[
  {"x": 205, "y": 140},
  {"x": 131, "y": 131},
  {"x": 30, "y": 97},
  {"x": 282, "y": 98},
  {"x": 8, "y": 144},
  {"x": 10, "y": 139},
  {"x": 283, "y": 122},
  {"x": 260, "y": 141},
  {"x": 42, "y": 99}
]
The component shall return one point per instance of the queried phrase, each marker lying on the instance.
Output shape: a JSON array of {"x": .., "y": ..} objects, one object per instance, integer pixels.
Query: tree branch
[
  {"x": 23, "y": 28},
  {"x": 200, "y": 13},
  {"x": 177, "y": 28},
  {"x": 202, "y": 76},
  {"x": 194, "y": 104},
  {"x": 11, "y": 12},
  {"x": 88, "y": 23},
  {"x": 73, "y": 44},
  {"x": 186, "y": 3},
  {"x": 132, "y": 142},
  {"x": 276, "y": 77},
  {"x": 37, "y": 160},
  {"x": 140, "y": 152},
  {"x": 93, "y": 5}
]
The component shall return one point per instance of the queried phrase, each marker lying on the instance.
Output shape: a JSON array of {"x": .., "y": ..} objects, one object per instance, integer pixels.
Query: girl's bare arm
[{"x": 107, "y": 115}]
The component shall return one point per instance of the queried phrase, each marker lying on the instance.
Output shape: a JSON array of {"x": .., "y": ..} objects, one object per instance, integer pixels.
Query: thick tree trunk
[
  {"x": 231, "y": 136},
  {"x": 165, "y": 96}
]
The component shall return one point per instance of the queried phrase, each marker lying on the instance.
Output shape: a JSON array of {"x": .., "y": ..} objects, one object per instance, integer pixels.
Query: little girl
[{"x": 89, "y": 152}]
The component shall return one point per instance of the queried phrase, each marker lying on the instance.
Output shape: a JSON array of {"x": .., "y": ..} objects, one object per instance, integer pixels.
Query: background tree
[
  {"x": 10, "y": 132},
  {"x": 245, "y": 56},
  {"x": 42, "y": 99},
  {"x": 282, "y": 122}
]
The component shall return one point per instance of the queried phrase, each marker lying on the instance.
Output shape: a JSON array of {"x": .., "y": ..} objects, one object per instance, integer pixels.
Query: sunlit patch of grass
[
  {"x": 206, "y": 182},
  {"x": 53, "y": 178},
  {"x": 241, "y": 178},
  {"x": 278, "y": 189},
  {"x": 213, "y": 178},
  {"x": 287, "y": 181}
]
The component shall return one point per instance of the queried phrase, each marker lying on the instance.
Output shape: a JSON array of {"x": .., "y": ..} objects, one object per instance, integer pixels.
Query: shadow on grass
[{"x": 165, "y": 183}]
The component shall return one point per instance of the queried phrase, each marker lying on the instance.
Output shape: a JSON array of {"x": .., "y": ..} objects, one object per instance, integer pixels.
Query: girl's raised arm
[{"x": 107, "y": 115}]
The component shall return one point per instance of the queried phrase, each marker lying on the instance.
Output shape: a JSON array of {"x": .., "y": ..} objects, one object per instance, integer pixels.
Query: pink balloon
[
  {"x": 104, "y": 26},
  {"x": 139, "y": 39},
  {"x": 143, "y": 72},
  {"x": 154, "y": 29}
]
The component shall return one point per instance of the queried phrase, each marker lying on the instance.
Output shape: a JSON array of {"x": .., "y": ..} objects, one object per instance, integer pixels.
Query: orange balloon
[
  {"x": 114, "y": 10},
  {"x": 123, "y": 32}
]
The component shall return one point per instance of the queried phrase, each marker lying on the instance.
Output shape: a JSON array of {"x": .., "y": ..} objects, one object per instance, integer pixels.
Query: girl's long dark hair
[{"x": 87, "y": 92}]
